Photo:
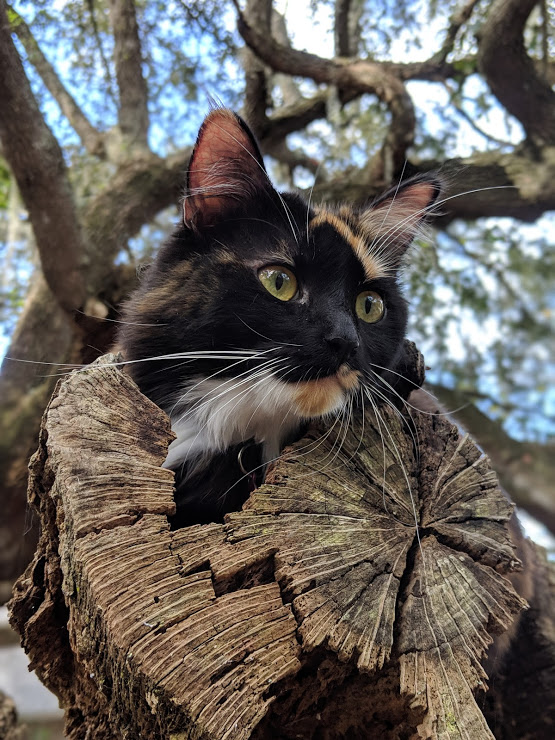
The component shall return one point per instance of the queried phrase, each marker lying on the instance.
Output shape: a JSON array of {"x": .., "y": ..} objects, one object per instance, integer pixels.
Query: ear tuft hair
[
  {"x": 395, "y": 219},
  {"x": 226, "y": 169}
]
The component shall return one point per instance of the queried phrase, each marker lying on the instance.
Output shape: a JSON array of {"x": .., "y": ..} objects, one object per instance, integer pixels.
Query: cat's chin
[{"x": 325, "y": 395}]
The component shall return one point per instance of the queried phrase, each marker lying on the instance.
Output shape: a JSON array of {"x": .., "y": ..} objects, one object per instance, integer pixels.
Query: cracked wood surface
[{"x": 316, "y": 611}]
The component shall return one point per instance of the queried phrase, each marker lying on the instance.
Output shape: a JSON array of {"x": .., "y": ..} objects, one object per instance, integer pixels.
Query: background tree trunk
[
  {"x": 10, "y": 729},
  {"x": 319, "y": 610}
]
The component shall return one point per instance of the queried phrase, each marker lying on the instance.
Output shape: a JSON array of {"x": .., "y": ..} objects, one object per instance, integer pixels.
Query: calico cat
[{"x": 262, "y": 312}]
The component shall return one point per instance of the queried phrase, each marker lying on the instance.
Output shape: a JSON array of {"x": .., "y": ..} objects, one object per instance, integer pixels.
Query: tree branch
[
  {"x": 483, "y": 185},
  {"x": 259, "y": 13},
  {"x": 141, "y": 188},
  {"x": 511, "y": 73},
  {"x": 498, "y": 184},
  {"x": 359, "y": 75},
  {"x": 36, "y": 160},
  {"x": 91, "y": 138},
  {"x": 292, "y": 158},
  {"x": 341, "y": 28},
  {"x": 458, "y": 19},
  {"x": 133, "y": 93},
  {"x": 471, "y": 122},
  {"x": 298, "y": 115}
]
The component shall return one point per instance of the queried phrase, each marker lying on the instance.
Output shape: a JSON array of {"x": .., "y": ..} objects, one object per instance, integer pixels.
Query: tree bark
[
  {"x": 37, "y": 162},
  {"x": 133, "y": 117},
  {"x": 353, "y": 596},
  {"x": 511, "y": 73}
]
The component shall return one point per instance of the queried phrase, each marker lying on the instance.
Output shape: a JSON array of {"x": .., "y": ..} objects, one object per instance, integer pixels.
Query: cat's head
[{"x": 268, "y": 292}]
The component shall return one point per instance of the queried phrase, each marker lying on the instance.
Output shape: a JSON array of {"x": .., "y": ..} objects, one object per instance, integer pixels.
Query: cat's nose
[{"x": 343, "y": 347}]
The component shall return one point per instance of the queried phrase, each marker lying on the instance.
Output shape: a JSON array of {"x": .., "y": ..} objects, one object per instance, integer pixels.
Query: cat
[{"x": 262, "y": 312}]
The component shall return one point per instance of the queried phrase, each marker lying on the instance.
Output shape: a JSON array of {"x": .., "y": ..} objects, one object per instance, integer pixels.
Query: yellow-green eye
[
  {"x": 279, "y": 281},
  {"x": 369, "y": 306}
]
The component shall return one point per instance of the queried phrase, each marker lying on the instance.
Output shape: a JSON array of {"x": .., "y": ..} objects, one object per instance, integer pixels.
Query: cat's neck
[{"x": 213, "y": 415}]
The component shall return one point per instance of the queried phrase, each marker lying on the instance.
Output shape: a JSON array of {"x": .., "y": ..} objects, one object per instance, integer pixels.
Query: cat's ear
[
  {"x": 226, "y": 169},
  {"x": 392, "y": 222}
]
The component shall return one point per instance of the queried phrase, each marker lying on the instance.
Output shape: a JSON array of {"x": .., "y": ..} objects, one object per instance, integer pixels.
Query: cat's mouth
[{"x": 321, "y": 396}]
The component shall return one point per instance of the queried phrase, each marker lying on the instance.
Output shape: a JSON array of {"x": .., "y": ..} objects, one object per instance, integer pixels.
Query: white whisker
[
  {"x": 405, "y": 473},
  {"x": 284, "y": 344}
]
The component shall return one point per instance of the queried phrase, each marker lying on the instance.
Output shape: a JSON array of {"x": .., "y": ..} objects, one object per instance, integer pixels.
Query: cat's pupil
[
  {"x": 368, "y": 304},
  {"x": 279, "y": 281}
]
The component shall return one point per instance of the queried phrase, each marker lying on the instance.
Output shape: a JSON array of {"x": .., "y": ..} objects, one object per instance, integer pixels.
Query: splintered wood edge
[
  {"x": 196, "y": 629},
  {"x": 138, "y": 621}
]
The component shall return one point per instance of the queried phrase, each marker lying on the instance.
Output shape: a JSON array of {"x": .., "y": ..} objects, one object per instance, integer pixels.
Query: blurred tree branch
[
  {"x": 30, "y": 147},
  {"x": 92, "y": 139},
  {"x": 133, "y": 95},
  {"x": 511, "y": 73}
]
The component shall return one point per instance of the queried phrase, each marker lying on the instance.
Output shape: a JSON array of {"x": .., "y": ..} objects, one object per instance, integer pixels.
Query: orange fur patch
[
  {"x": 317, "y": 397},
  {"x": 373, "y": 267}
]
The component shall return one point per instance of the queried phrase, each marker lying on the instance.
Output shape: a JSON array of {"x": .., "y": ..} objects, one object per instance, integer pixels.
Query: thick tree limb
[
  {"x": 37, "y": 162},
  {"x": 489, "y": 184},
  {"x": 133, "y": 95},
  {"x": 257, "y": 96},
  {"x": 92, "y": 139},
  {"x": 511, "y": 73},
  {"x": 141, "y": 188},
  {"x": 361, "y": 74}
]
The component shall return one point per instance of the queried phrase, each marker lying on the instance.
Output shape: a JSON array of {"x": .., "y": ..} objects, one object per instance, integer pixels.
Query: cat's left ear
[
  {"x": 226, "y": 170},
  {"x": 392, "y": 222}
]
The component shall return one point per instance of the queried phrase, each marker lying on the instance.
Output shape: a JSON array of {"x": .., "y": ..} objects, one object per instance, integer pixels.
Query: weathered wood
[{"x": 355, "y": 595}]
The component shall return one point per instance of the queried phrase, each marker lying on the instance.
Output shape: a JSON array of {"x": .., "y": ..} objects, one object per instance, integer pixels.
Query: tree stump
[{"x": 355, "y": 594}]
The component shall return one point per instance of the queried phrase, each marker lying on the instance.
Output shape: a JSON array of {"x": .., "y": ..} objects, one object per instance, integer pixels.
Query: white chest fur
[{"x": 211, "y": 415}]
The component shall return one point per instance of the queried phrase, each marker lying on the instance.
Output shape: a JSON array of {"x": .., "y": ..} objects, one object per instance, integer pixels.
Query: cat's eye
[
  {"x": 369, "y": 306},
  {"x": 279, "y": 281}
]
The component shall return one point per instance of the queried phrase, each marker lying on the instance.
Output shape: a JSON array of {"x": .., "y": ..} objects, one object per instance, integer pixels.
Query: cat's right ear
[{"x": 226, "y": 170}]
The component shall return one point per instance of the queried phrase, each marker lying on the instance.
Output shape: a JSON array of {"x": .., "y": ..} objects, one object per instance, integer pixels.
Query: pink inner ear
[
  {"x": 392, "y": 224},
  {"x": 225, "y": 168},
  {"x": 416, "y": 198},
  {"x": 220, "y": 136}
]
